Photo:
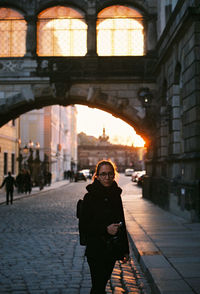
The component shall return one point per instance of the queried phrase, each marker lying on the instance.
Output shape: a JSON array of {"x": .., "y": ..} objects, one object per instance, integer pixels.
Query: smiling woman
[{"x": 92, "y": 121}]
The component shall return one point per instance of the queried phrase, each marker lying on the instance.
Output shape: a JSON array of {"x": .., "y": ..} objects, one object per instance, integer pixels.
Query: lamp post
[{"x": 30, "y": 158}]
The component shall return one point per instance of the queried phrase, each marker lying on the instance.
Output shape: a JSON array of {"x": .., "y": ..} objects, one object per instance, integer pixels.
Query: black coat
[
  {"x": 9, "y": 182},
  {"x": 102, "y": 206}
]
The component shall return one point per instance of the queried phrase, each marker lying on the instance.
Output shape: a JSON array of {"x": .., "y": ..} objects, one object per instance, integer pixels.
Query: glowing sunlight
[
  {"x": 92, "y": 121},
  {"x": 120, "y": 32},
  {"x": 65, "y": 35}
]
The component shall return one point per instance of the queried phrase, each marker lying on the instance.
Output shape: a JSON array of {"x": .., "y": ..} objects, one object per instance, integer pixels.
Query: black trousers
[
  {"x": 101, "y": 270},
  {"x": 9, "y": 193}
]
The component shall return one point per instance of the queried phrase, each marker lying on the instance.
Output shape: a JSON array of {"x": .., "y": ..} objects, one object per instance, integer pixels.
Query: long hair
[{"x": 105, "y": 162}]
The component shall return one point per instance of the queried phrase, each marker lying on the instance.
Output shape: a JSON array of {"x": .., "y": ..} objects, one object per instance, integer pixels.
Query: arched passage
[{"x": 132, "y": 111}]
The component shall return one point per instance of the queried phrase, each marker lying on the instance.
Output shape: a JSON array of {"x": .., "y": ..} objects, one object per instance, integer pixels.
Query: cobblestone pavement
[{"x": 40, "y": 251}]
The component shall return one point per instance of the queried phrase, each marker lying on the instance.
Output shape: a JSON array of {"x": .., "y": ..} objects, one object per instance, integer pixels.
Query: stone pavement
[{"x": 166, "y": 246}]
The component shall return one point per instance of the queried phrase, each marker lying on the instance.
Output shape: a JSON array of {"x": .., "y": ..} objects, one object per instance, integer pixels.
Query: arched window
[
  {"x": 61, "y": 31},
  {"x": 12, "y": 33},
  {"x": 120, "y": 32}
]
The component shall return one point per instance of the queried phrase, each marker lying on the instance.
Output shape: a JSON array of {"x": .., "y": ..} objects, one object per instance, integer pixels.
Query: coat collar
[{"x": 96, "y": 186}]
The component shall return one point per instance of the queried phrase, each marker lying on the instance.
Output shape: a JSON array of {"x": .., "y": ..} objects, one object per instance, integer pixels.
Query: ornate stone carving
[{"x": 11, "y": 65}]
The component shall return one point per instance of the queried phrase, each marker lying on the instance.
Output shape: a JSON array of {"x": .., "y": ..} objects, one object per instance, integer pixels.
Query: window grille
[
  {"x": 12, "y": 33},
  {"x": 61, "y": 31},
  {"x": 120, "y": 32}
]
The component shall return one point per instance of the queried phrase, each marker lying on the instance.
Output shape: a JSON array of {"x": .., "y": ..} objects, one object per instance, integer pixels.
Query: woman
[{"x": 104, "y": 226}]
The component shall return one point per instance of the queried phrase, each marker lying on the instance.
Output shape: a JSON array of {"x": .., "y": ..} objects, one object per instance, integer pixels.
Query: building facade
[
  {"x": 123, "y": 156},
  {"x": 174, "y": 164},
  {"x": 9, "y": 151},
  {"x": 53, "y": 130}
]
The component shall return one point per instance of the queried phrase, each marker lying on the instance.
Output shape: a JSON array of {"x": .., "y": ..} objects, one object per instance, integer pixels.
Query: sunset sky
[{"x": 92, "y": 121}]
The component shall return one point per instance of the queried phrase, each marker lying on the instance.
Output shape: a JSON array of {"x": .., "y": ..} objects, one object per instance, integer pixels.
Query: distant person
[
  {"x": 68, "y": 174},
  {"x": 9, "y": 183},
  {"x": 49, "y": 177},
  {"x": 20, "y": 182},
  {"x": 27, "y": 182},
  {"x": 71, "y": 176},
  {"x": 65, "y": 175},
  {"x": 103, "y": 225}
]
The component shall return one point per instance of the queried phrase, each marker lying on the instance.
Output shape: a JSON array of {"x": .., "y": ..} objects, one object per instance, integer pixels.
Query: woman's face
[{"x": 106, "y": 175}]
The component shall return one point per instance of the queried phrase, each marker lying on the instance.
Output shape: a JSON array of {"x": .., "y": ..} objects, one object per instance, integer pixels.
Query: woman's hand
[{"x": 113, "y": 229}]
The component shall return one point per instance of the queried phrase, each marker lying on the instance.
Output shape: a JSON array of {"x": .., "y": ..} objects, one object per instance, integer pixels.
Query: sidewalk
[{"x": 166, "y": 246}]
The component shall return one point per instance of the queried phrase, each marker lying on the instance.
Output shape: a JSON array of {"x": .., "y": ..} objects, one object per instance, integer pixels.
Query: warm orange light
[
  {"x": 12, "y": 33},
  {"x": 118, "y": 131},
  {"x": 120, "y": 32},
  {"x": 61, "y": 31}
]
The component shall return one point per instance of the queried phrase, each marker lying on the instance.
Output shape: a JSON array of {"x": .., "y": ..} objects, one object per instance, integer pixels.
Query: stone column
[
  {"x": 91, "y": 36},
  {"x": 151, "y": 36},
  {"x": 31, "y": 36}
]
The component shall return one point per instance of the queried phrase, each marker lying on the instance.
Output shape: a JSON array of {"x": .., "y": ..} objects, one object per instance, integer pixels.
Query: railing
[{"x": 101, "y": 68}]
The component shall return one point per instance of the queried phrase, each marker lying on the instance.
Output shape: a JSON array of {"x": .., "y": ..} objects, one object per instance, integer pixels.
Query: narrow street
[{"x": 40, "y": 251}]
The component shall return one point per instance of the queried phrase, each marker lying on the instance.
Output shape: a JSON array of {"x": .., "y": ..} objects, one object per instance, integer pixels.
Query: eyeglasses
[{"x": 109, "y": 174}]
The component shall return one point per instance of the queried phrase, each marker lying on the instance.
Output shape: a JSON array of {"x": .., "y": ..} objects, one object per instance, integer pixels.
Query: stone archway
[{"x": 121, "y": 100}]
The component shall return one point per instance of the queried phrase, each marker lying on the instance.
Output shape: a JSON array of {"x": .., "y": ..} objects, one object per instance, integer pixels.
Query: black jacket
[
  {"x": 102, "y": 206},
  {"x": 9, "y": 181}
]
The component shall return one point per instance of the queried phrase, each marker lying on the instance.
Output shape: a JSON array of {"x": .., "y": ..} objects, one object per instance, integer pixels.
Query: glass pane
[
  {"x": 5, "y": 25},
  {"x": 121, "y": 23},
  {"x": 17, "y": 43},
  {"x": 106, "y": 24},
  {"x": 45, "y": 44},
  {"x": 61, "y": 43},
  {"x": 59, "y": 12},
  {"x": 7, "y": 13},
  {"x": 126, "y": 31},
  {"x": 64, "y": 32},
  {"x": 119, "y": 11},
  {"x": 4, "y": 44},
  {"x": 137, "y": 39},
  {"x": 79, "y": 46},
  {"x": 120, "y": 39},
  {"x": 61, "y": 24},
  {"x": 13, "y": 33},
  {"x": 78, "y": 24},
  {"x": 19, "y": 25},
  {"x": 104, "y": 43}
]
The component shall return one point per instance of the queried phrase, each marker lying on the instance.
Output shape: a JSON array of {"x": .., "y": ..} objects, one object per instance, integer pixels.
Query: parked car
[
  {"x": 140, "y": 180},
  {"x": 134, "y": 176},
  {"x": 137, "y": 174},
  {"x": 87, "y": 173},
  {"x": 79, "y": 176},
  {"x": 128, "y": 171}
]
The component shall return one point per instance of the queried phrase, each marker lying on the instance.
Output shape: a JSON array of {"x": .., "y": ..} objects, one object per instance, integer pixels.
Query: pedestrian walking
[
  {"x": 103, "y": 224},
  {"x": 20, "y": 182},
  {"x": 9, "y": 183},
  {"x": 49, "y": 177},
  {"x": 27, "y": 182}
]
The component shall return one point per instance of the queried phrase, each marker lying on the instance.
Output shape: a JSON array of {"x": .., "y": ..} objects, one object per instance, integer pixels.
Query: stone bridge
[{"x": 124, "y": 87}]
